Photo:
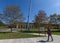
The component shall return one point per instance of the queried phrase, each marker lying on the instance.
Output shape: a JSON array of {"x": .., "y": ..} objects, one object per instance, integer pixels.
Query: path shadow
[{"x": 43, "y": 41}]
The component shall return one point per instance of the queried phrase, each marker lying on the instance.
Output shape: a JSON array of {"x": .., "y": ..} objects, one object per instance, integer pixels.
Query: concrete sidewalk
[{"x": 32, "y": 40}]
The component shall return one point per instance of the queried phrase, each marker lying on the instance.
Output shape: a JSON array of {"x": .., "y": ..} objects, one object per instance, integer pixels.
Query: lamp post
[{"x": 29, "y": 8}]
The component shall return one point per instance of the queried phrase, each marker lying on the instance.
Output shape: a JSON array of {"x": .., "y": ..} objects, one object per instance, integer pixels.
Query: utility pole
[{"x": 29, "y": 8}]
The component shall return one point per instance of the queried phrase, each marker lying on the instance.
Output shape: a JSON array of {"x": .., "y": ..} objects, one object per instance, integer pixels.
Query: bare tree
[
  {"x": 13, "y": 15},
  {"x": 41, "y": 18}
]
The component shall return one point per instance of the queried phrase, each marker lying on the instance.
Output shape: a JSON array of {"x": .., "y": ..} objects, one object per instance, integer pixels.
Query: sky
[{"x": 49, "y": 6}]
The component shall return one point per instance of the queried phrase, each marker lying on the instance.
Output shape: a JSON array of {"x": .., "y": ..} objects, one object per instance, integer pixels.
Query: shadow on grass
[{"x": 6, "y": 32}]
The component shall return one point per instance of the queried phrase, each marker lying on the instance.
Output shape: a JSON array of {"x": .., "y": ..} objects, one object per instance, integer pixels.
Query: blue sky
[{"x": 49, "y": 6}]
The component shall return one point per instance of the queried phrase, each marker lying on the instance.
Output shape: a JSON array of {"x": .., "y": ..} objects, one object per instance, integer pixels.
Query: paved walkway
[{"x": 32, "y": 40}]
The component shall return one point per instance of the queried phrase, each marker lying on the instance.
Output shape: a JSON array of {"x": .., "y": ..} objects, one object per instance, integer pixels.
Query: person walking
[{"x": 49, "y": 34}]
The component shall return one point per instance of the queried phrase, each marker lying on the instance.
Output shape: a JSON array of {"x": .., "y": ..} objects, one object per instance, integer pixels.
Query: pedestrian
[{"x": 49, "y": 34}]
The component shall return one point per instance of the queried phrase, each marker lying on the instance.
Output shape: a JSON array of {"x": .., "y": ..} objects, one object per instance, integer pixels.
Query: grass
[
  {"x": 7, "y": 35},
  {"x": 56, "y": 33},
  {"x": 16, "y": 35},
  {"x": 36, "y": 31}
]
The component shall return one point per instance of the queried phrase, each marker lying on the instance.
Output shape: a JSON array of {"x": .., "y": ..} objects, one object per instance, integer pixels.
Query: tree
[
  {"x": 2, "y": 24},
  {"x": 13, "y": 15},
  {"x": 41, "y": 18},
  {"x": 53, "y": 19},
  {"x": 59, "y": 20}
]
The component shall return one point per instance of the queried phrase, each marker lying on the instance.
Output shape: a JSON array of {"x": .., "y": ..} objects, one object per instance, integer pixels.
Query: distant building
[
  {"x": 32, "y": 25},
  {"x": 24, "y": 25}
]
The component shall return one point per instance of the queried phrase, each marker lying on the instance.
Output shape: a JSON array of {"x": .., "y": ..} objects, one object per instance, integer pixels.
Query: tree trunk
[
  {"x": 17, "y": 26},
  {"x": 11, "y": 29}
]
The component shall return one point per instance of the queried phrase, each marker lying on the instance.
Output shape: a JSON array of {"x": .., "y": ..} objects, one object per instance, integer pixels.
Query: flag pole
[{"x": 29, "y": 8}]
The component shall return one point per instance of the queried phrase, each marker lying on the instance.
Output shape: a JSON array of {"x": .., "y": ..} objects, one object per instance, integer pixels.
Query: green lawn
[
  {"x": 16, "y": 35},
  {"x": 8, "y": 35},
  {"x": 56, "y": 33},
  {"x": 36, "y": 31}
]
